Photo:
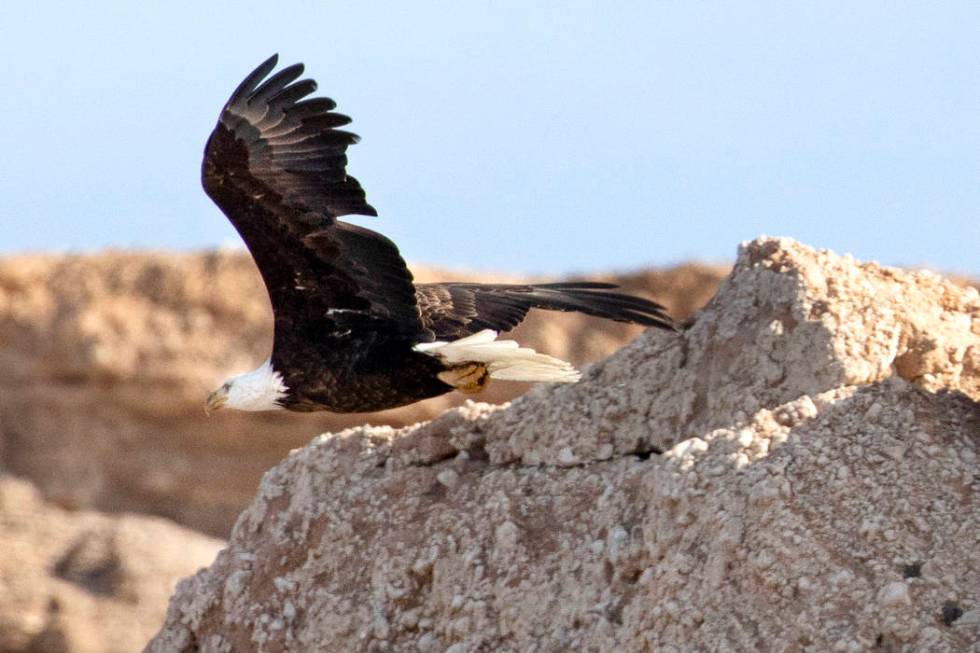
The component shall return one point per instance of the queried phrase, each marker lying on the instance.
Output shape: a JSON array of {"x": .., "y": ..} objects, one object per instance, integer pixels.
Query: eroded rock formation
[
  {"x": 81, "y": 581},
  {"x": 795, "y": 471}
]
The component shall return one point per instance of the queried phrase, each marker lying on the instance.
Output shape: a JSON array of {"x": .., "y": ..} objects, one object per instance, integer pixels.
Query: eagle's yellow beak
[{"x": 215, "y": 401}]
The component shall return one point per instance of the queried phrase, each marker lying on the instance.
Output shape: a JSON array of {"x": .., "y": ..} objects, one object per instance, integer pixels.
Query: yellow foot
[{"x": 468, "y": 378}]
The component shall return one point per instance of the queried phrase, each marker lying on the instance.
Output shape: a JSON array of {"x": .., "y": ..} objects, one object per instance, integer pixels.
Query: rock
[
  {"x": 84, "y": 581},
  {"x": 894, "y": 594},
  {"x": 737, "y": 486},
  {"x": 107, "y": 359}
]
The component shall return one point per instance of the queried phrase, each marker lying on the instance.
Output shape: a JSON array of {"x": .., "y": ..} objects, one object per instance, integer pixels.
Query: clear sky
[{"x": 517, "y": 136}]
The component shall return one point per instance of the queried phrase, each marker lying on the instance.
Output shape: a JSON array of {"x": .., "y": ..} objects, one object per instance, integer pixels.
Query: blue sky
[{"x": 516, "y": 136}]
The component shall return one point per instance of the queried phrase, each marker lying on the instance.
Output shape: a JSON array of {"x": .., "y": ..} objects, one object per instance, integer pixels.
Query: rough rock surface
[
  {"x": 73, "y": 581},
  {"x": 816, "y": 491},
  {"x": 107, "y": 359}
]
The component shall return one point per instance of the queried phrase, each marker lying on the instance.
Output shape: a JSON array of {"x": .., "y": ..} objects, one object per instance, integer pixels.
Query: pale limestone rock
[
  {"x": 814, "y": 493},
  {"x": 85, "y": 581}
]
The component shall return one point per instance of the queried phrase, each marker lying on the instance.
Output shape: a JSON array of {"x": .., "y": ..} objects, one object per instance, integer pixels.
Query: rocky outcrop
[
  {"x": 107, "y": 359},
  {"x": 797, "y": 471},
  {"x": 80, "y": 581}
]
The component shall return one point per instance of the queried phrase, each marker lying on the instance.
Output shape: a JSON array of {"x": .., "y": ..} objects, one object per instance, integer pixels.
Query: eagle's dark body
[{"x": 347, "y": 313}]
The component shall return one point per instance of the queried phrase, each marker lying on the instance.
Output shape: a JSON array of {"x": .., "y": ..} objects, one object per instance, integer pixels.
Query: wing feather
[
  {"x": 276, "y": 166},
  {"x": 455, "y": 310}
]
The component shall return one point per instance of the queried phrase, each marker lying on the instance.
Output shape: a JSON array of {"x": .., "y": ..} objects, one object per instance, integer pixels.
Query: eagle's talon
[{"x": 469, "y": 378}]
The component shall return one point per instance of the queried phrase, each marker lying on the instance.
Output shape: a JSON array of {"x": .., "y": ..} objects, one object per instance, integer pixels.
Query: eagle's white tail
[{"x": 504, "y": 359}]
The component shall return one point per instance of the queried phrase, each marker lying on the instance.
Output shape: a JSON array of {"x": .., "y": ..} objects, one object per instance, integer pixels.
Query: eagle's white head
[{"x": 260, "y": 389}]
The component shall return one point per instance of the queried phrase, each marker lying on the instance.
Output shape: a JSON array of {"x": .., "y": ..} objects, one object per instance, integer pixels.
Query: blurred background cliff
[{"x": 108, "y": 358}]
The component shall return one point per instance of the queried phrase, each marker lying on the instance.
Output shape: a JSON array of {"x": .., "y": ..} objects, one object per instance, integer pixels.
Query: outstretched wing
[
  {"x": 275, "y": 165},
  {"x": 454, "y": 310}
]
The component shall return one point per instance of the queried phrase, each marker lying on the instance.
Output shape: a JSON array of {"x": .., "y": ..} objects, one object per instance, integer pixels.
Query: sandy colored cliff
[
  {"x": 74, "y": 582},
  {"x": 796, "y": 471},
  {"x": 107, "y": 359}
]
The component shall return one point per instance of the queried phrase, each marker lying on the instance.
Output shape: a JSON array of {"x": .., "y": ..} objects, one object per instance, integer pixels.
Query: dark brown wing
[
  {"x": 275, "y": 165},
  {"x": 454, "y": 310}
]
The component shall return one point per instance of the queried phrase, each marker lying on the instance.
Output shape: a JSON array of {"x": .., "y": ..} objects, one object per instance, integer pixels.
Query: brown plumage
[{"x": 348, "y": 317}]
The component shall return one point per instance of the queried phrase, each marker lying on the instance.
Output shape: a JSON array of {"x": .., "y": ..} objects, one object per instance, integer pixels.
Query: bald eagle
[{"x": 352, "y": 331}]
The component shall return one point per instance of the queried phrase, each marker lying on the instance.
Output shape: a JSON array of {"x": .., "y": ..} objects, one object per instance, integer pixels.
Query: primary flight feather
[{"x": 352, "y": 331}]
